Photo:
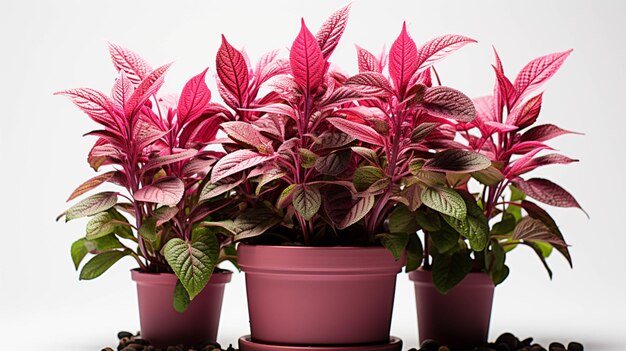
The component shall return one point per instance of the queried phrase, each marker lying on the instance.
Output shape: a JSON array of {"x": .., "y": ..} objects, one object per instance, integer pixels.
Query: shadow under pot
[
  {"x": 459, "y": 318},
  {"x": 318, "y": 296},
  {"x": 162, "y": 325}
]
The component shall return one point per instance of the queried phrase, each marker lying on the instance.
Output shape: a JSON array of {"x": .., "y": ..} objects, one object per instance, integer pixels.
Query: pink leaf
[
  {"x": 504, "y": 91},
  {"x": 122, "y": 90},
  {"x": 535, "y": 230},
  {"x": 402, "y": 60},
  {"x": 446, "y": 102},
  {"x": 233, "y": 71},
  {"x": 357, "y": 131},
  {"x": 537, "y": 72},
  {"x": 520, "y": 165},
  {"x": 331, "y": 31},
  {"x": 246, "y": 134},
  {"x": 167, "y": 159},
  {"x": 438, "y": 48},
  {"x": 128, "y": 61},
  {"x": 526, "y": 147},
  {"x": 193, "y": 99},
  {"x": 546, "y": 192},
  {"x": 145, "y": 133},
  {"x": 307, "y": 62},
  {"x": 370, "y": 84},
  {"x": 94, "y": 103},
  {"x": 367, "y": 61},
  {"x": 165, "y": 191},
  {"x": 279, "y": 66},
  {"x": 265, "y": 60},
  {"x": 524, "y": 116},
  {"x": 236, "y": 162},
  {"x": 149, "y": 86},
  {"x": 545, "y": 160},
  {"x": 544, "y": 132},
  {"x": 279, "y": 109}
]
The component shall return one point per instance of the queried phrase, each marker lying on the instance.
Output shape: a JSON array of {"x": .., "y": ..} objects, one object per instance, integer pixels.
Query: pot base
[{"x": 246, "y": 344}]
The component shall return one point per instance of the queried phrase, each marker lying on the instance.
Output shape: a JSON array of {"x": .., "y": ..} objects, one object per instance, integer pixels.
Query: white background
[{"x": 53, "y": 45}]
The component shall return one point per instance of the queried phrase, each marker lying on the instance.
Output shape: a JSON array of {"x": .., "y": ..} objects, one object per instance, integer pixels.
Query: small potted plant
[
  {"x": 324, "y": 159},
  {"x": 465, "y": 259},
  {"x": 156, "y": 149}
]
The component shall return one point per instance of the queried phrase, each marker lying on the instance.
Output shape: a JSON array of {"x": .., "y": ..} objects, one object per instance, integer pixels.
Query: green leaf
[
  {"x": 181, "y": 298},
  {"x": 307, "y": 200},
  {"x": 395, "y": 242},
  {"x": 368, "y": 154},
  {"x": 474, "y": 226},
  {"x": 308, "y": 157},
  {"x": 104, "y": 224},
  {"x": 148, "y": 229},
  {"x": 414, "y": 253},
  {"x": 124, "y": 229},
  {"x": 100, "y": 263},
  {"x": 445, "y": 201},
  {"x": 254, "y": 222},
  {"x": 92, "y": 205},
  {"x": 78, "y": 251},
  {"x": 505, "y": 226},
  {"x": 431, "y": 179},
  {"x": 164, "y": 214},
  {"x": 488, "y": 176},
  {"x": 422, "y": 130},
  {"x": 267, "y": 177},
  {"x": 415, "y": 165},
  {"x": 428, "y": 220},
  {"x": 365, "y": 176},
  {"x": 500, "y": 275},
  {"x": 546, "y": 248},
  {"x": 104, "y": 243},
  {"x": 193, "y": 262},
  {"x": 444, "y": 240},
  {"x": 450, "y": 270},
  {"x": 211, "y": 190},
  {"x": 285, "y": 196},
  {"x": 401, "y": 220}
]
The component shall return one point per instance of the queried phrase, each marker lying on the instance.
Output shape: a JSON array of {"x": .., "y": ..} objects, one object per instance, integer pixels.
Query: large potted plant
[
  {"x": 322, "y": 162},
  {"x": 156, "y": 149},
  {"x": 465, "y": 259}
]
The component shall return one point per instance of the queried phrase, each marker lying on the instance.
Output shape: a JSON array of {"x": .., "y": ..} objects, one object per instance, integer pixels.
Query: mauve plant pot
[
  {"x": 162, "y": 325},
  {"x": 461, "y": 317},
  {"x": 319, "y": 296}
]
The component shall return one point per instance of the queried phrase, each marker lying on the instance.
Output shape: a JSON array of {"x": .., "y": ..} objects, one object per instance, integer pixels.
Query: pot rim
[
  {"x": 421, "y": 276},
  {"x": 166, "y": 278},
  {"x": 318, "y": 259}
]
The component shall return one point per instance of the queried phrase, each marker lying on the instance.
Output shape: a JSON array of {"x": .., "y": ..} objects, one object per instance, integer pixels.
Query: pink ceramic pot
[
  {"x": 162, "y": 325},
  {"x": 461, "y": 317},
  {"x": 319, "y": 295}
]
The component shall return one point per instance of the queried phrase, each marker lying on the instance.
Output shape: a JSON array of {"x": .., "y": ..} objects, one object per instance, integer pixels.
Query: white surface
[{"x": 53, "y": 45}]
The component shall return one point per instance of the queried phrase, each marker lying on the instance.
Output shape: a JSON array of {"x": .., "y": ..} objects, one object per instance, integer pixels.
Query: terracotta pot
[
  {"x": 162, "y": 325},
  {"x": 319, "y": 295},
  {"x": 461, "y": 317}
]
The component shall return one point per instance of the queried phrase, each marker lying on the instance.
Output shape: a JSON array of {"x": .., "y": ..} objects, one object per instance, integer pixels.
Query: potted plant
[
  {"x": 156, "y": 149},
  {"x": 325, "y": 158},
  {"x": 465, "y": 259}
]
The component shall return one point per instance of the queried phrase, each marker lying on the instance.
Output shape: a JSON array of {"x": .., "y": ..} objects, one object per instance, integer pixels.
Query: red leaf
[
  {"x": 145, "y": 133},
  {"x": 546, "y": 160},
  {"x": 193, "y": 99},
  {"x": 438, "y": 48},
  {"x": 91, "y": 184},
  {"x": 457, "y": 161},
  {"x": 331, "y": 31},
  {"x": 532, "y": 229},
  {"x": 272, "y": 69},
  {"x": 236, "y": 162},
  {"x": 343, "y": 208},
  {"x": 544, "y": 132},
  {"x": 246, "y": 134},
  {"x": 539, "y": 213},
  {"x": 165, "y": 191},
  {"x": 525, "y": 147},
  {"x": 357, "y": 131},
  {"x": 149, "y": 86},
  {"x": 402, "y": 60},
  {"x": 537, "y": 72},
  {"x": 307, "y": 62},
  {"x": 233, "y": 71},
  {"x": 448, "y": 103},
  {"x": 94, "y": 103},
  {"x": 370, "y": 84},
  {"x": 128, "y": 61},
  {"x": 546, "y": 192},
  {"x": 520, "y": 165},
  {"x": 367, "y": 61},
  {"x": 504, "y": 91},
  {"x": 526, "y": 115}
]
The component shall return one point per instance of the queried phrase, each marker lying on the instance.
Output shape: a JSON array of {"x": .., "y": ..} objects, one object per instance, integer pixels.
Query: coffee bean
[
  {"x": 509, "y": 339},
  {"x": 107, "y": 349},
  {"x": 124, "y": 334},
  {"x": 556, "y": 346},
  {"x": 443, "y": 348},
  {"x": 502, "y": 347},
  {"x": 527, "y": 341},
  {"x": 537, "y": 347},
  {"x": 429, "y": 345},
  {"x": 575, "y": 346}
]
